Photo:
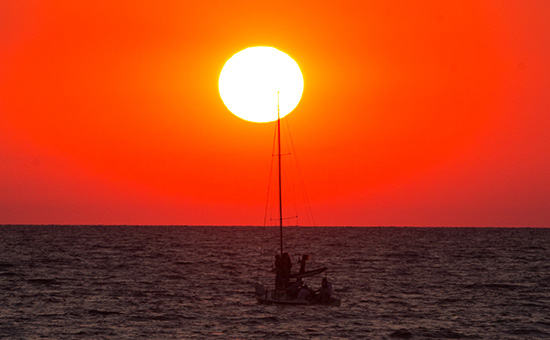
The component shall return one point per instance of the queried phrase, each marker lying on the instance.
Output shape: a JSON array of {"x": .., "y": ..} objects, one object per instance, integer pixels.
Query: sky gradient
[{"x": 431, "y": 114}]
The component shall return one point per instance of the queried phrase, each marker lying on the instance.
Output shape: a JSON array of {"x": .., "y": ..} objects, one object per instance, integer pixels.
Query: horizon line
[{"x": 259, "y": 226}]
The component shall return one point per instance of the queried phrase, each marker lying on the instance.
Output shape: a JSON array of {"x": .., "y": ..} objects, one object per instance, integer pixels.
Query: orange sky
[{"x": 426, "y": 115}]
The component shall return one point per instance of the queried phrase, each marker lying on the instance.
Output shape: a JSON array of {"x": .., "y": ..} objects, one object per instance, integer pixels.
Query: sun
[{"x": 253, "y": 80}]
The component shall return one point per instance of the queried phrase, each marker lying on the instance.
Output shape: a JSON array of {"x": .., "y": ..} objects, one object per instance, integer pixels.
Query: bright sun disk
[{"x": 250, "y": 80}]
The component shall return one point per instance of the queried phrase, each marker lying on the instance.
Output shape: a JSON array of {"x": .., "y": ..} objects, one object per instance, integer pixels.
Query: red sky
[{"x": 423, "y": 114}]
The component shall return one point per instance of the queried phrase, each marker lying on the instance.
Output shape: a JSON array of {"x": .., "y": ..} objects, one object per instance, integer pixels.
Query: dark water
[{"x": 64, "y": 282}]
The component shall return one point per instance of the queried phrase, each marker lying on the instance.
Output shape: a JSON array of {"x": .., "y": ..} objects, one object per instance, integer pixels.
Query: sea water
[{"x": 156, "y": 282}]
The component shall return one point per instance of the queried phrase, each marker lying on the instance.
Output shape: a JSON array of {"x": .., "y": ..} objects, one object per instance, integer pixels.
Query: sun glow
[{"x": 251, "y": 80}]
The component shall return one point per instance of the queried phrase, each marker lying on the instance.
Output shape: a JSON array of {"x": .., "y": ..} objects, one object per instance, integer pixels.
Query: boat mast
[{"x": 280, "y": 187}]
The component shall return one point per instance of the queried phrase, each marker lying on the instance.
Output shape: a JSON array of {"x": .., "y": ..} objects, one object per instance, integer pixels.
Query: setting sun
[{"x": 250, "y": 80}]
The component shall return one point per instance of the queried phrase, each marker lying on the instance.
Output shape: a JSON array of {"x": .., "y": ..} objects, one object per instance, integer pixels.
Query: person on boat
[
  {"x": 303, "y": 293},
  {"x": 325, "y": 293},
  {"x": 278, "y": 264},
  {"x": 287, "y": 268},
  {"x": 303, "y": 260},
  {"x": 278, "y": 268},
  {"x": 306, "y": 293},
  {"x": 293, "y": 289}
]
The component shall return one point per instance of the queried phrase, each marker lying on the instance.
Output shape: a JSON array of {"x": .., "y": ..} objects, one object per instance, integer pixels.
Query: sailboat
[{"x": 286, "y": 293}]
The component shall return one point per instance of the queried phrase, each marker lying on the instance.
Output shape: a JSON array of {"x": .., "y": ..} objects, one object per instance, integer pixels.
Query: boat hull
[
  {"x": 271, "y": 297},
  {"x": 269, "y": 300}
]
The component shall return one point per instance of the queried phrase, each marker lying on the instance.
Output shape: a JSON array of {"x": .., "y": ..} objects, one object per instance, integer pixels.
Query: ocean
[{"x": 177, "y": 282}]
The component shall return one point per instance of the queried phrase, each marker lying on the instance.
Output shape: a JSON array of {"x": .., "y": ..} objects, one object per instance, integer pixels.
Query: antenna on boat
[{"x": 279, "y": 157}]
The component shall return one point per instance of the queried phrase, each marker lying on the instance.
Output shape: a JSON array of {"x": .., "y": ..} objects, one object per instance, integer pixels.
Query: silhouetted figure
[
  {"x": 303, "y": 260},
  {"x": 304, "y": 293},
  {"x": 293, "y": 289},
  {"x": 325, "y": 293},
  {"x": 278, "y": 268},
  {"x": 287, "y": 268}
]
